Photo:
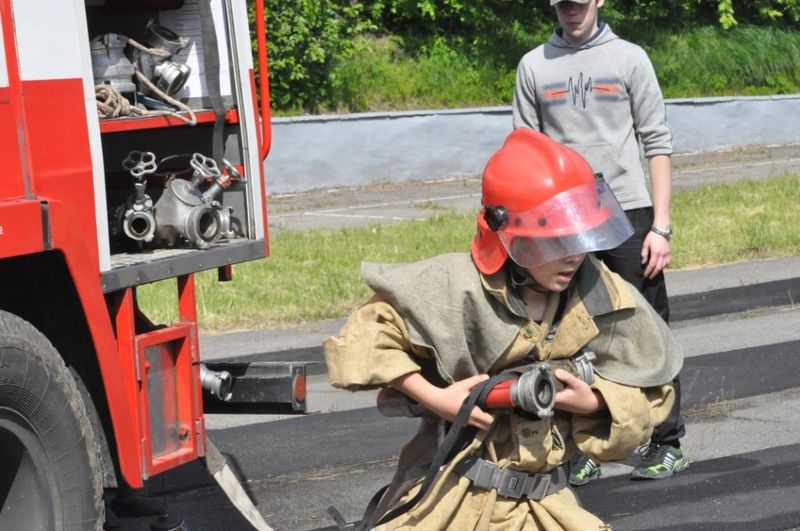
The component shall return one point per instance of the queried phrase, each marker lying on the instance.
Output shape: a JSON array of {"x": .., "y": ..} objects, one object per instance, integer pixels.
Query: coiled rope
[{"x": 112, "y": 104}]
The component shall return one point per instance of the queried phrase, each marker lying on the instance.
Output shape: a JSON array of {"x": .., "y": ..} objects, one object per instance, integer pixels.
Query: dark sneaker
[
  {"x": 582, "y": 470},
  {"x": 659, "y": 461}
]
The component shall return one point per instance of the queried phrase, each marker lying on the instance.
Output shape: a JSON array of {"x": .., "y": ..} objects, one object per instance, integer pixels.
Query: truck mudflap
[
  {"x": 275, "y": 384},
  {"x": 219, "y": 469}
]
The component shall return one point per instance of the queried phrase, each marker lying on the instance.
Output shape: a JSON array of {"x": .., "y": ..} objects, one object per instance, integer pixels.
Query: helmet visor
[{"x": 580, "y": 220}]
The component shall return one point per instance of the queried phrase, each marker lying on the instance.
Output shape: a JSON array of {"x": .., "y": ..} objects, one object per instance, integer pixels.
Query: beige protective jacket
[{"x": 375, "y": 347}]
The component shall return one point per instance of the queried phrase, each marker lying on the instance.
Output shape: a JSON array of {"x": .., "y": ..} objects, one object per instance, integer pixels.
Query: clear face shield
[{"x": 580, "y": 220}]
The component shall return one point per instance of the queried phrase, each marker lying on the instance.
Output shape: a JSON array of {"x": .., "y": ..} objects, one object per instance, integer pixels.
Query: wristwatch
[{"x": 667, "y": 234}]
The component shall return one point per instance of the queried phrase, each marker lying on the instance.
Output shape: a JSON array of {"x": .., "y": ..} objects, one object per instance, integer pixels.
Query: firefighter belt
[{"x": 508, "y": 483}]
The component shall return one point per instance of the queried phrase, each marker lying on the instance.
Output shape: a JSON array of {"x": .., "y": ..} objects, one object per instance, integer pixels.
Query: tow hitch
[{"x": 260, "y": 383}]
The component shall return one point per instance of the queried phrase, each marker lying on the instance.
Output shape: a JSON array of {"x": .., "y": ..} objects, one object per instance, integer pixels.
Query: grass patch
[
  {"x": 379, "y": 75},
  {"x": 314, "y": 275},
  {"x": 711, "y": 62},
  {"x": 739, "y": 221}
]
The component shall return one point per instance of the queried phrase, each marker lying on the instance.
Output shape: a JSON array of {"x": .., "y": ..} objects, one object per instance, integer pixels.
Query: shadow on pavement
[{"x": 719, "y": 494}]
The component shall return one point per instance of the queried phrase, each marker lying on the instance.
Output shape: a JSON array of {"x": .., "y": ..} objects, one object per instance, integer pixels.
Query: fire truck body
[{"x": 78, "y": 358}]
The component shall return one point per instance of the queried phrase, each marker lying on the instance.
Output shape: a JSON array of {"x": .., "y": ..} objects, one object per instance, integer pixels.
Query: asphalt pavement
[{"x": 738, "y": 325}]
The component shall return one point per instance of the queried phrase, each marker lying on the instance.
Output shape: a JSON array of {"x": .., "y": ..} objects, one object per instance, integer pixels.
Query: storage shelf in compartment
[
  {"x": 133, "y": 269},
  {"x": 118, "y": 125}
]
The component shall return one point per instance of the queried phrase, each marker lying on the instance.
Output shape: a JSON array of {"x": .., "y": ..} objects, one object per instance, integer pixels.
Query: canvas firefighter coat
[{"x": 445, "y": 319}]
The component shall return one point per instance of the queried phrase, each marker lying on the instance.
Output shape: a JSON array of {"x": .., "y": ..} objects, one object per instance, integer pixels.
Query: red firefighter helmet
[{"x": 541, "y": 202}]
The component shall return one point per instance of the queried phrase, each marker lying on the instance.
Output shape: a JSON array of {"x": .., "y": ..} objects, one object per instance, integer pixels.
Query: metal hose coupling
[
  {"x": 135, "y": 217},
  {"x": 160, "y": 68},
  {"x": 184, "y": 211},
  {"x": 216, "y": 383},
  {"x": 535, "y": 390}
]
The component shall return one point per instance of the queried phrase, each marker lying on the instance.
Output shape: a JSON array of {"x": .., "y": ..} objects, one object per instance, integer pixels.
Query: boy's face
[
  {"x": 556, "y": 275},
  {"x": 578, "y": 21}
]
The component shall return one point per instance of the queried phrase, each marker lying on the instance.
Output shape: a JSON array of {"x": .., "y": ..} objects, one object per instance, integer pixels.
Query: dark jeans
[{"x": 625, "y": 260}]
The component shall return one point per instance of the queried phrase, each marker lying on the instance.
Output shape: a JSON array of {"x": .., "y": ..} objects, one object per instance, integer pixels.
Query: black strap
[
  {"x": 458, "y": 436},
  {"x": 341, "y": 523},
  {"x": 369, "y": 512},
  {"x": 211, "y": 70}
]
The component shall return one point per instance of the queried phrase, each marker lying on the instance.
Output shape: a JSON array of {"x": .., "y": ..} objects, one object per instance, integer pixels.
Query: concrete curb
[{"x": 333, "y": 151}]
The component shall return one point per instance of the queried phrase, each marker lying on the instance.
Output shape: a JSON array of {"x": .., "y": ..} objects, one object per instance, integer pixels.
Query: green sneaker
[
  {"x": 582, "y": 469},
  {"x": 659, "y": 461}
]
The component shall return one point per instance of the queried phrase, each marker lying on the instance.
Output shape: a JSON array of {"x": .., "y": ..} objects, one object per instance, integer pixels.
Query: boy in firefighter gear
[{"x": 529, "y": 291}]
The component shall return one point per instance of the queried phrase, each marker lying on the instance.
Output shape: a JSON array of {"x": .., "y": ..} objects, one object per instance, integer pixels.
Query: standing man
[{"x": 599, "y": 95}]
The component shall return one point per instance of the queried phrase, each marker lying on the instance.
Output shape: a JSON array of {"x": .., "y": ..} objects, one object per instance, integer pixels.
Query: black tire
[{"x": 50, "y": 471}]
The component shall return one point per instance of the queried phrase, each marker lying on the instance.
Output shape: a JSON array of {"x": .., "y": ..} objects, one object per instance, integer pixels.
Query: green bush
[
  {"x": 304, "y": 38},
  {"x": 377, "y": 74},
  {"x": 373, "y": 75},
  {"x": 347, "y": 55}
]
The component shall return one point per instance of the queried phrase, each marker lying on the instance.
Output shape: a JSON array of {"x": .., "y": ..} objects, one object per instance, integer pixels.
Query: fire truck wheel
[{"x": 50, "y": 472}]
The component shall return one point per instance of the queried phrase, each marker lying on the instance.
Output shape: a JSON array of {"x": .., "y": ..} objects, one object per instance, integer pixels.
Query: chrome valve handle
[{"x": 140, "y": 164}]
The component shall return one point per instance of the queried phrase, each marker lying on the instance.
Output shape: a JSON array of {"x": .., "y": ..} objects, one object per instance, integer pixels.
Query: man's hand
[
  {"x": 656, "y": 249},
  {"x": 577, "y": 396},
  {"x": 656, "y": 254}
]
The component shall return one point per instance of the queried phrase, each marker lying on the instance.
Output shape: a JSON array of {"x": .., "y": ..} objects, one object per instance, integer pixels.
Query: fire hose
[
  {"x": 531, "y": 388},
  {"x": 535, "y": 390}
]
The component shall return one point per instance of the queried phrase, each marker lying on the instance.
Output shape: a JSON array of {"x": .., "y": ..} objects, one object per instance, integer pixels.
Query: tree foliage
[
  {"x": 305, "y": 37},
  {"x": 478, "y": 19},
  {"x": 309, "y": 38}
]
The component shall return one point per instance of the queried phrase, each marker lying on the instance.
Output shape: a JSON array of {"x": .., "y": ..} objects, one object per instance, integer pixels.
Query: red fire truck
[{"x": 133, "y": 141}]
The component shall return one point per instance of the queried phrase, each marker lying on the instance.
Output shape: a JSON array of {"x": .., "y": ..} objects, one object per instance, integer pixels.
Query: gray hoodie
[{"x": 597, "y": 98}]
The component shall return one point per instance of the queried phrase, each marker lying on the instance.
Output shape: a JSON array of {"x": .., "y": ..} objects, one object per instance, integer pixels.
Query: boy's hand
[
  {"x": 577, "y": 396},
  {"x": 446, "y": 402}
]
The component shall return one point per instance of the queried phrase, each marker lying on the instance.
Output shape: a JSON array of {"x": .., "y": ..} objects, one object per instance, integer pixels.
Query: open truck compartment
[{"x": 180, "y": 182}]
